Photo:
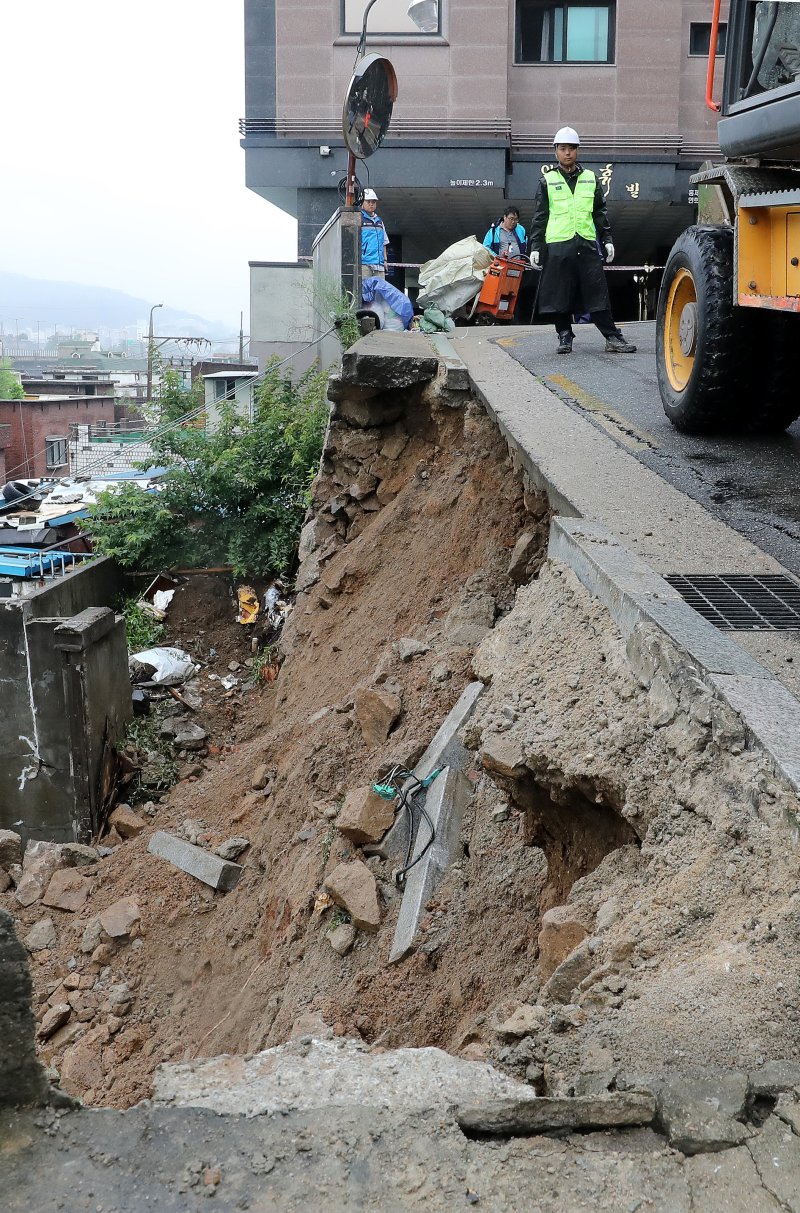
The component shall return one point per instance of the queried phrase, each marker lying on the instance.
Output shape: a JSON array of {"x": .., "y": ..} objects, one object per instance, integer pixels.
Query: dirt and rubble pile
[{"x": 626, "y": 899}]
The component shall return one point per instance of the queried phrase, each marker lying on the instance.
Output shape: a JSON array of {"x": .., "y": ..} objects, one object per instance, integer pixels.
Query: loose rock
[
  {"x": 561, "y": 932},
  {"x": 127, "y": 823},
  {"x": 352, "y": 886},
  {"x": 67, "y": 890},
  {"x": 376, "y": 711},
  {"x": 365, "y": 816},
  {"x": 120, "y": 918},
  {"x": 10, "y": 848},
  {"x": 41, "y": 936},
  {"x": 342, "y": 938}
]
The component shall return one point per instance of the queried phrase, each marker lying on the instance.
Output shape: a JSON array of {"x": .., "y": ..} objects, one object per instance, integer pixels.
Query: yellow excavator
[{"x": 728, "y": 319}]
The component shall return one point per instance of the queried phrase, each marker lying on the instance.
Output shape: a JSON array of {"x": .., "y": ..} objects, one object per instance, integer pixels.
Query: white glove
[
  {"x": 535, "y": 258},
  {"x": 609, "y": 253}
]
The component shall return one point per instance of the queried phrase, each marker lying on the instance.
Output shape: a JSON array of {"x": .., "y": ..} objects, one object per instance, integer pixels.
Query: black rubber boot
[
  {"x": 565, "y": 340},
  {"x": 616, "y": 344}
]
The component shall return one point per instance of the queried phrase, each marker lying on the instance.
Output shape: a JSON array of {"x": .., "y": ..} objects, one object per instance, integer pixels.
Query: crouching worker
[{"x": 568, "y": 221}]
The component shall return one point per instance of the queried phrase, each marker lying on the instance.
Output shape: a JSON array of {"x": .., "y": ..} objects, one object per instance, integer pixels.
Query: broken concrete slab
[
  {"x": 541, "y": 1115},
  {"x": 389, "y": 361},
  {"x": 776, "y": 1153},
  {"x": 447, "y": 798},
  {"x": 333, "y": 1073},
  {"x": 219, "y": 873}
]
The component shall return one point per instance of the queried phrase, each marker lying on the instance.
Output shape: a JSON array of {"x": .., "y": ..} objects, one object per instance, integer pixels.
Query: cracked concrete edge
[
  {"x": 456, "y": 375},
  {"x": 445, "y": 806},
  {"x": 634, "y": 594}
]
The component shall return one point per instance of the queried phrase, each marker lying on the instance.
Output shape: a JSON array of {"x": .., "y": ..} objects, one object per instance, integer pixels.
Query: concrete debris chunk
[
  {"x": 41, "y": 936},
  {"x": 55, "y": 1018},
  {"x": 502, "y": 756},
  {"x": 92, "y": 935},
  {"x": 407, "y": 648},
  {"x": 76, "y": 855},
  {"x": 376, "y": 711},
  {"x": 30, "y": 888},
  {"x": 528, "y": 545},
  {"x": 232, "y": 848},
  {"x": 260, "y": 777},
  {"x": 120, "y": 918},
  {"x": 189, "y": 737},
  {"x": 218, "y": 873},
  {"x": 10, "y": 848},
  {"x": 774, "y": 1078},
  {"x": 570, "y": 973},
  {"x": 513, "y": 1116},
  {"x": 702, "y": 1114},
  {"x": 352, "y": 886},
  {"x": 525, "y": 1020},
  {"x": 127, "y": 823},
  {"x": 365, "y": 816},
  {"x": 67, "y": 890},
  {"x": 561, "y": 932},
  {"x": 333, "y": 1073}
]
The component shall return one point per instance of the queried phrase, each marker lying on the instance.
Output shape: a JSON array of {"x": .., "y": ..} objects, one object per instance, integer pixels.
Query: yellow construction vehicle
[{"x": 729, "y": 307}]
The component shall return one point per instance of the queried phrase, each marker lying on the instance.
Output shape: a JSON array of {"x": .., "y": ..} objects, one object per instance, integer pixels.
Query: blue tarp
[{"x": 395, "y": 299}]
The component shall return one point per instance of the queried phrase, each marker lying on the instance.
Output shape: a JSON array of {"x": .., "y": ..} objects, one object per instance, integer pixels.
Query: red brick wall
[{"x": 32, "y": 421}]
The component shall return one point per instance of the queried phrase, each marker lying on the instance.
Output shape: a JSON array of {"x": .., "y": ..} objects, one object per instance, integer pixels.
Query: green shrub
[{"x": 234, "y": 496}]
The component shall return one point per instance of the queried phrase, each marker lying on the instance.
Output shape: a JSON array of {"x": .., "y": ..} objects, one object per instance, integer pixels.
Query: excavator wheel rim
[{"x": 682, "y": 299}]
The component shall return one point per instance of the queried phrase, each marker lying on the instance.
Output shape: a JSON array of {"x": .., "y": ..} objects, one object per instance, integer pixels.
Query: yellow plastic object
[{"x": 248, "y": 604}]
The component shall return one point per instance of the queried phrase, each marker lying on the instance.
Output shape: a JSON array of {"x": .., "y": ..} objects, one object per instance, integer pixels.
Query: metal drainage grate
[{"x": 741, "y": 601}]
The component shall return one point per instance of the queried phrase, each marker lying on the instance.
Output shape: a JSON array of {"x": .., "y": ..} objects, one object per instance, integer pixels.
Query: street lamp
[
  {"x": 424, "y": 14},
  {"x": 150, "y": 353}
]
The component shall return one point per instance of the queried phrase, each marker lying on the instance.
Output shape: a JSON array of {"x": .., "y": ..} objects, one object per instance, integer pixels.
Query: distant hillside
[{"x": 75, "y": 305}]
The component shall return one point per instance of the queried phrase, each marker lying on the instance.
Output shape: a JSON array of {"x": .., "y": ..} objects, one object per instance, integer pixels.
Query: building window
[
  {"x": 388, "y": 17},
  {"x": 55, "y": 452},
  {"x": 700, "y": 38},
  {"x": 576, "y": 31}
]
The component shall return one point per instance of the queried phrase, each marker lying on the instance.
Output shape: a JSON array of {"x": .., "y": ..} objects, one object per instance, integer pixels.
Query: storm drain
[{"x": 741, "y": 602}]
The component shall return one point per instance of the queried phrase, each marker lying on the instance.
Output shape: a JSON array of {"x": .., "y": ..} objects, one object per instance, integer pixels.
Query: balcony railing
[
  {"x": 495, "y": 130},
  {"x": 316, "y": 129}
]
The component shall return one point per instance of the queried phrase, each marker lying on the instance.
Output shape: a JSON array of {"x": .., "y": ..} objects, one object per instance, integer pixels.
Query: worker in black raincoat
[{"x": 569, "y": 221}]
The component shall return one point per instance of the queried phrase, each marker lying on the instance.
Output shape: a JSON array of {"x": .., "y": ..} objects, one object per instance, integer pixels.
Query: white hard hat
[
  {"x": 370, "y": 196},
  {"x": 567, "y": 134}
]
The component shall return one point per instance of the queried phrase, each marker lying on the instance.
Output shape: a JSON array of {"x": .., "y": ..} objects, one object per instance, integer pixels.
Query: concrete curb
[{"x": 633, "y": 594}]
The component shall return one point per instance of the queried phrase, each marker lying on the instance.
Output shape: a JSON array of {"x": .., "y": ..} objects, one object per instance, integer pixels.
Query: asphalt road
[{"x": 752, "y": 484}]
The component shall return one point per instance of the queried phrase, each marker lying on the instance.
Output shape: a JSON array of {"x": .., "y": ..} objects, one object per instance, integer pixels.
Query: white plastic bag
[
  {"x": 169, "y": 666},
  {"x": 455, "y": 276}
]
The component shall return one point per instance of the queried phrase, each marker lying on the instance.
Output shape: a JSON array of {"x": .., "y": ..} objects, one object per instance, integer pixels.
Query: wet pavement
[{"x": 751, "y": 484}]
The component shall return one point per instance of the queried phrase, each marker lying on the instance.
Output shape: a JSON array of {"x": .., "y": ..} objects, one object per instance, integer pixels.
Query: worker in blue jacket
[
  {"x": 506, "y": 237},
  {"x": 373, "y": 238}
]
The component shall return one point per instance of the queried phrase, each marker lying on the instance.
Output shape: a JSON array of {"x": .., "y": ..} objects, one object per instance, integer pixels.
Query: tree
[
  {"x": 10, "y": 386},
  {"x": 234, "y": 496}
]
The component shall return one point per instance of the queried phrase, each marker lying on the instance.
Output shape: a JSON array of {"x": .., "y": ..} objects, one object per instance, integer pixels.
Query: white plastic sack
[
  {"x": 170, "y": 666},
  {"x": 389, "y": 319},
  {"x": 455, "y": 276}
]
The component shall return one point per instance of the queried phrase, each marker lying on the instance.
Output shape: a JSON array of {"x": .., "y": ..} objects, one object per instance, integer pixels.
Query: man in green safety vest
[{"x": 569, "y": 225}]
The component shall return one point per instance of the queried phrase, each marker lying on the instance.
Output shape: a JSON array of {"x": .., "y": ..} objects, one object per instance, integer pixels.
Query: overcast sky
[{"x": 121, "y": 163}]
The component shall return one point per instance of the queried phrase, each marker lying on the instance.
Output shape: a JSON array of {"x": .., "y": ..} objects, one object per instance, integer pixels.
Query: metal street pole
[{"x": 149, "y": 394}]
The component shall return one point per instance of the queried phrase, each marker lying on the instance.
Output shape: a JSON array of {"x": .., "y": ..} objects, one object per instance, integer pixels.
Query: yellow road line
[{"x": 610, "y": 420}]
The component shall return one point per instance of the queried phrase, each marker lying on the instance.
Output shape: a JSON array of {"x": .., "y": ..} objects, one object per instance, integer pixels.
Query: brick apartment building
[
  {"x": 37, "y": 431},
  {"x": 478, "y": 105}
]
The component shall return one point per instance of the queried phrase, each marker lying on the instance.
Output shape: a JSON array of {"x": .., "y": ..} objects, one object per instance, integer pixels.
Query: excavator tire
[{"x": 703, "y": 345}]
